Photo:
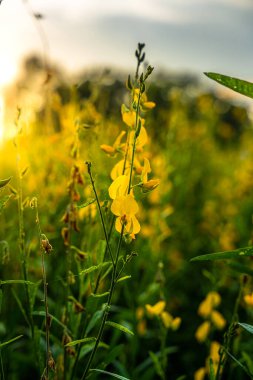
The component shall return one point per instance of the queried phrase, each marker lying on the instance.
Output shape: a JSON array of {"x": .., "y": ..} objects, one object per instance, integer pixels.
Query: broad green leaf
[
  {"x": 10, "y": 282},
  {"x": 4, "y": 182},
  {"x": 238, "y": 85},
  {"x": 241, "y": 252},
  {"x": 109, "y": 373},
  {"x": 10, "y": 341},
  {"x": 246, "y": 327},
  {"x": 119, "y": 327},
  {"x": 86, "y": 203},
  {"x": 123, "y": 278},
  {"x": 84, "y": 340}
]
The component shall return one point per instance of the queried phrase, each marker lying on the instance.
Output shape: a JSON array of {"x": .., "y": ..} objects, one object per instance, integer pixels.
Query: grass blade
[
  {"x": 10, "y": 341},
  {"x": 110, "y": 374},
  {"x": 241, "y": 252},
  {"x": 4, "y": 182},
  {"x": 84, "y": 340}
]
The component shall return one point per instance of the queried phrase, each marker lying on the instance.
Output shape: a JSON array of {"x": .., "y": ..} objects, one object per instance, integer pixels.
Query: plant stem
[{"x": 107, "y": 307}]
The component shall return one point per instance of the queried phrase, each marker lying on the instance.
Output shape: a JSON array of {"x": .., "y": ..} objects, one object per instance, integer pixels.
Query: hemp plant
[{"x": 130, "y": 172}]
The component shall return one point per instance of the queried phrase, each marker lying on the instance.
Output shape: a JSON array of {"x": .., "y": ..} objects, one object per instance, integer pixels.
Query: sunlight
[
  {"x": 1, "y": 119},
  {"x": 7, "y": 71}
]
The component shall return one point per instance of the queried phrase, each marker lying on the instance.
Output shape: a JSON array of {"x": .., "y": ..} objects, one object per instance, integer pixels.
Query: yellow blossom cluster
[
  {"x": 133, "y": 166},
  {"x": 158, "y": 310},
  {"x": 212, "y": 317}
]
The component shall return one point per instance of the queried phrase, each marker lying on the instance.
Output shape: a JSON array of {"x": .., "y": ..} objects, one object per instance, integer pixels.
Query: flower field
[{"x": 109, "y": 188}]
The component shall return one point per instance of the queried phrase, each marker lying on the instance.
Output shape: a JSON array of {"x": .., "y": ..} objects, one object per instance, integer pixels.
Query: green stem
[
  {"x": 229, "y": 335},
  {"x": 134, "y": 143},
  {"x": 100, "y": 213},
  {"x": 107, "y": 308}
]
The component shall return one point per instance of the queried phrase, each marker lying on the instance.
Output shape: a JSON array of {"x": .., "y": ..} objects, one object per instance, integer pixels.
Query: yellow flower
[
  {"x": 112, "y": 150},
  {"x": 148, "y": 105},
  {"x": 214, "y": 354},
  {"x": 142, "y": 139},
  {"x": 218, "y": 319},
  {"x": 157, "y": 309},
  {"x": 150, "y": 185},
  {"x": 108, "y": 149},
  {"x": 203, "y": 331},
  {"x": 167, "y": 319},
  {"x": 176, "y": 323},
  {"x": 129, "y": 118},
  {"x": 212, "y": 300},
  {"x": 117, "y": 170},
  {"x": 125, "y": 207},
  {"x": 119, "y": 187},
  {"x": 200, "y": 374},
  {"x": 248, "y": 298}
]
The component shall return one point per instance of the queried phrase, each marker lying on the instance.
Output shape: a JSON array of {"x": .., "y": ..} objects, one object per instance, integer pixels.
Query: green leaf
[
  {"x": 119, "y": 327},
  {"x": 84, "y": 340},
  {"x": 10, "y": 282},
  {"x": 238, "y": 85},
  {"x": 20, "y": 305},
  {"x": 95, "y": 318},
  {"x": 241, "y": 252},
  {"x": 4, "y": 182},
  {"x": 246, "y": 327},
  {"x": 93, "y": 268},
  {"x": 109, "y": 373},
  {"x": 123, "y": 278},
  {"x": 111, "y": 356},
  {"x": 10, "y": 341},
  {"x": 86, "y": 203},
  {"x": 99, "y": 295}
]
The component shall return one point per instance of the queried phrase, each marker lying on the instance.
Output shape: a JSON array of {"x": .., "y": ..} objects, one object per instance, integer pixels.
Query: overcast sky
[{"x": 191, "y": 35}]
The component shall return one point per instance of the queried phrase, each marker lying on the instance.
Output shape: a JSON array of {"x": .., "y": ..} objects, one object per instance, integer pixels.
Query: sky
[{"x": 181, "y": 35}]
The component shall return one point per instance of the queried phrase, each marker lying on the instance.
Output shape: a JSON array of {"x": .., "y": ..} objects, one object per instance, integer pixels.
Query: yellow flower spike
[
  {"x": 248, "y": 299},
  {"x": 218, "y": 319},
  {"x": 176, "y": 323},
  {"x": 167, "y": 319},
  {"x": 200, "y": 374},
  {"x": 203, "y": 331},
  {"x": 110, "y": 150},
  {"x": 157, "y": 309},
  {"x": 119, "y": 187},
  {"x": 125, "y": 208}
]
